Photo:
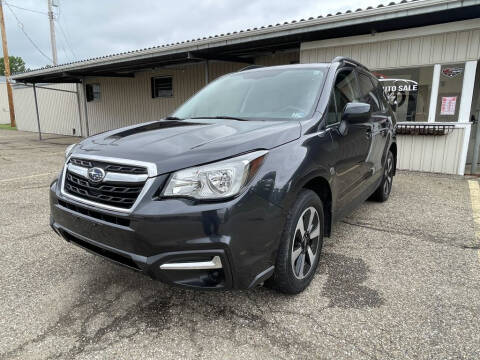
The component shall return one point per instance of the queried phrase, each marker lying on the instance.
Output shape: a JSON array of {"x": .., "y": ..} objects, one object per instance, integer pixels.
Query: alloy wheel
[
  {"x": 305, "y": 244},
  {"x": 388, "y": 175}
]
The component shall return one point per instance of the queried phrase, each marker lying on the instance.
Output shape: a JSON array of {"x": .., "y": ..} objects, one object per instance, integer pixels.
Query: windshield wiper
[
  {"x": 221, "y": 117},
  {"x": 173, "y": 118}
]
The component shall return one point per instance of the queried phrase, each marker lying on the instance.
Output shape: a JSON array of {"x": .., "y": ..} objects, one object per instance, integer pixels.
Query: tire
[
  {"x": 302, "y": 240},
  {"x": 385, "y": 188}
]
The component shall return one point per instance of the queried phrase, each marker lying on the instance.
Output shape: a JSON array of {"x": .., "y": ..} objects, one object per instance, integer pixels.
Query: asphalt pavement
[{"x": 399, "y": 280}]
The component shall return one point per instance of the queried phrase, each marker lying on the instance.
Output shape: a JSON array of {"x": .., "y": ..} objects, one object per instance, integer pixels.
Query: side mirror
[{"x": 357, "y": 113}]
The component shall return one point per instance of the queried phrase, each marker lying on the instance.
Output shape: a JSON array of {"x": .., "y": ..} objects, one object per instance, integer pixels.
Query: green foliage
[
  {"x": 7, "y": 127},
  {"x": 17, "y": 65}
]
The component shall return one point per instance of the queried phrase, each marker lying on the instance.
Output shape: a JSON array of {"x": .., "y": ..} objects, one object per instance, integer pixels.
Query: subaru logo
[{"x": 96, "y": 174}]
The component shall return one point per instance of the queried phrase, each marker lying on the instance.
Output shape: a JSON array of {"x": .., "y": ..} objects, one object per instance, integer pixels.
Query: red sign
[{"x": 449, "y": 103}]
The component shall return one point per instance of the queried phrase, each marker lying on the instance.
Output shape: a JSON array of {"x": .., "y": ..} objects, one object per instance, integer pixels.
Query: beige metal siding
[
  {"x": 58, "y": 110},
  {"x": 437, "y": 44},
  {"x": 217, "y": 69},
  {"x": 4, "y": 112},
  {"x": 128, "y": 101},
  {"x": 279, "y": 58},
  {"x": 437, "y": 154}
]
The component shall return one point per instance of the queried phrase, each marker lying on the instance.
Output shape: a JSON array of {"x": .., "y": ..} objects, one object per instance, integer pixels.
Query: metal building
[
  {"x": 4, "y": 111},
  {"x": 434, "y": 44}
]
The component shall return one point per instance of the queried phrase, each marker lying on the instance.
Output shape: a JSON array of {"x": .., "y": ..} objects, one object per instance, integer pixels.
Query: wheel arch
[
  {"x": 393, "y": 149},
  {"x": 322, "y": 188}
]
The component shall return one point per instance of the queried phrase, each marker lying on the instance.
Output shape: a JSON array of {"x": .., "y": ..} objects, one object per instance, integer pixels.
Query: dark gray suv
[{"x": 239, "y": 186}]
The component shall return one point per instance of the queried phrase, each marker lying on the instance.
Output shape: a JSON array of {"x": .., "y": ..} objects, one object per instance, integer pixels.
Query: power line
[
  {"x": 21, "y": 26},
  {"x": 65, "y": 50},
  {"x": 66, "y": 38},
  {"x": 22, "y": 8}
]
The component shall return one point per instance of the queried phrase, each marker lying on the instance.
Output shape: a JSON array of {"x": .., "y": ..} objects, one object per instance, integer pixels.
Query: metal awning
[{"x": 244, "y": 46}]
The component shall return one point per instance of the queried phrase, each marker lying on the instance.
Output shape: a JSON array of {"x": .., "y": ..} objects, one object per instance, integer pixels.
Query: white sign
[{"x": 449, "y": 103}]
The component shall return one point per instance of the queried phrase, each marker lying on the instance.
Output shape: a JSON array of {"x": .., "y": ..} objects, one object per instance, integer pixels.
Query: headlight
[
  {"x": 69, "y": 150},
  {"x": 217, "y": 180}
]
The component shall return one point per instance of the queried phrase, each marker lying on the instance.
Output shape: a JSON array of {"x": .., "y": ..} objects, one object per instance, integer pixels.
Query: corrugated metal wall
[
  {"x": 279, "y": 58},
  {"x": 58, "y": 110},
  {"x": 123, "y": 101},
  {"x": 458, "y": 42},
  {"x": 128, "y": 101},
  {"x": 4, "y": 112},
  {"x": 437, "y": 154}
]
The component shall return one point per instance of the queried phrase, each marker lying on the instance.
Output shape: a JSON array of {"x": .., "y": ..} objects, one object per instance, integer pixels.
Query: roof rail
[
  {"x": 251, "y": 67},
  {"x": 344, "y": 59}
]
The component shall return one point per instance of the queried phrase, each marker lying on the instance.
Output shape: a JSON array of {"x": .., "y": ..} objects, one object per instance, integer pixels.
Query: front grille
[
  {"x": 124, "y": 169},
  {"x": 118, "y": 194}
]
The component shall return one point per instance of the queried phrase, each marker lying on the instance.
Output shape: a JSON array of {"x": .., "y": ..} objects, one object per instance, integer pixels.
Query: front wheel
[
  {"x": 300, "y": 246},
  {"x": 385, "y": 188}
]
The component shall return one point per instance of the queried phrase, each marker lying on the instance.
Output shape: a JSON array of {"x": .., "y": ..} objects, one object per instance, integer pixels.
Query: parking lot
[{"x": 399, "y": 280}]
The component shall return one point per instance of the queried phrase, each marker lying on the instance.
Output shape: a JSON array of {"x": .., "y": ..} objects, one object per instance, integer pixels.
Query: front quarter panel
[{"x": 289, "y": 167}]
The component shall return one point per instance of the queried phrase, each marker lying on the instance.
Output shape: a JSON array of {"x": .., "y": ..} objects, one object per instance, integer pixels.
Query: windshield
[{"x": 283, "y": 94}]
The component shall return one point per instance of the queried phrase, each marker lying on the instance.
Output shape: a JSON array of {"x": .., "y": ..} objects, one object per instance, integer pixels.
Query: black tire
[
  {"x": 291, "y": 276},
  {"x": 385, "y": 188}
]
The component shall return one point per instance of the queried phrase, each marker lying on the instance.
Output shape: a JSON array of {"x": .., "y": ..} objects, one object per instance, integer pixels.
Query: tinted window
[
  {"x": 282, "y": 93},
  {"x": 332, "y": 111},
  {"x": 162, "y": 86},
  {"x": 344, "y": 91},
  {"x": 93, "y": 92},
  {"x": 368, "y": 93}
]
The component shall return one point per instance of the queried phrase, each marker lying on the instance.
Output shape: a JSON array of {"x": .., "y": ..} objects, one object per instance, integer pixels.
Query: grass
[{"x": 7, "y": 127}]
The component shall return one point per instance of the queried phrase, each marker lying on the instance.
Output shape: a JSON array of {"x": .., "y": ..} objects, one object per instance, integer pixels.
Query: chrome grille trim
[
  {"x": 109, "y": 176},
  {"x": 149, "y": 179}
]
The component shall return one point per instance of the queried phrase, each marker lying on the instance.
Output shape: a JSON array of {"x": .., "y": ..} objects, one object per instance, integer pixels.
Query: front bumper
[{"x": 243, "y": 233}]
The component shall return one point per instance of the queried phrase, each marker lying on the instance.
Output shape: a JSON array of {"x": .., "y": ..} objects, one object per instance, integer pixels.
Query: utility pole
[
  {"x": 7, "y": 67},
  {"x": 52, "y": 33}
]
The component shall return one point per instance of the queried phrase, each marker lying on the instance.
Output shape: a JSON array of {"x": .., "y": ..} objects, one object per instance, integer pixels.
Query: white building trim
[
  {"x": 432, "y": 110},
  {"x": 465, "y": 109}
]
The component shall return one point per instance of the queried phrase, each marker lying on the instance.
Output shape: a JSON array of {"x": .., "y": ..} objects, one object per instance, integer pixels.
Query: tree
[{"x": 17, "y": 65}]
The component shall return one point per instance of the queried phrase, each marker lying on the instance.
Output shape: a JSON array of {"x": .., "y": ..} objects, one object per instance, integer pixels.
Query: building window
[
  {"x": 449, "y": 92},
  {"x": 93, "y": 92},
  {"x": 162, "y": 86},
  {"x": 409, "y": 90}
]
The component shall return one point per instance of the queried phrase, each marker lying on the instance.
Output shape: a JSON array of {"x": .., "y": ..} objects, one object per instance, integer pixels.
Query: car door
[
  {"x": 379, "y": 125},
  {"x": 350, "y": 142}
]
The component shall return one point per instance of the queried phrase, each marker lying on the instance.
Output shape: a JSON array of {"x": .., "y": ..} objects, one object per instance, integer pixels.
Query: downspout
[
  {"x": 207, "y": 75},
  {"x": 84, "y": 83},
  {"x": 79, "y": 108}
]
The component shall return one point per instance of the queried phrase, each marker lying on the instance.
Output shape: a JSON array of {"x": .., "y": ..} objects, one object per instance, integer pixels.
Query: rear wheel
[
  {"x": 384, "y": 189},
  {"x": 300, "y": 246}
]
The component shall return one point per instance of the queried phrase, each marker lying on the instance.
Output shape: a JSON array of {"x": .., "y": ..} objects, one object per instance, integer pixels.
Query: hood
[{"x": 174, "y": 145}]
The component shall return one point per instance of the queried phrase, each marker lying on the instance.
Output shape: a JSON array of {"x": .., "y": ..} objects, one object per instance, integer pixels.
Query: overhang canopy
[{"x": 244, "y": 46}]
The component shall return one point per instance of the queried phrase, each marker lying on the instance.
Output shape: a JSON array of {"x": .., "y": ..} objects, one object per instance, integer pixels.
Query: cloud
[{"x": 96, "y": 28}]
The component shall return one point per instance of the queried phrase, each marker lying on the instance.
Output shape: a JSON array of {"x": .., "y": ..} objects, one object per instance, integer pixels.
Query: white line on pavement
[
  {"x": 27, "y": 177},
  {"x": 475, "y": 199}
]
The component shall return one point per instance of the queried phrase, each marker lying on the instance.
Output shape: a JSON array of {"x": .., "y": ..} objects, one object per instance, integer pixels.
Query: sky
[{"x": 91, "y": 28}]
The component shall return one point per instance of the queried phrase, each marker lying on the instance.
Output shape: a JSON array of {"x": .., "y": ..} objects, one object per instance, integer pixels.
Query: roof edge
[{"x": 382, "y": 12}]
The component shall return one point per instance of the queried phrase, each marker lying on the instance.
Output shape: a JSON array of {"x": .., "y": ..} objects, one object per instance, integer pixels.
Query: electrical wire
[
  {"x": 22, "y": 8},
  {"x": 62, "y": 42},
  {"x": 22, "y": 26},
  {"x": 65, "y": 38}
]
